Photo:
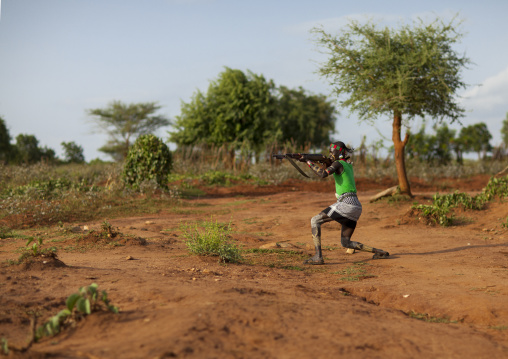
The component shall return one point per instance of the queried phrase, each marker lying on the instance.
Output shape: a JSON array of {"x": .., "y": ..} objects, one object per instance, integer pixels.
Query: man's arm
[{"x": 335, "y": 167}]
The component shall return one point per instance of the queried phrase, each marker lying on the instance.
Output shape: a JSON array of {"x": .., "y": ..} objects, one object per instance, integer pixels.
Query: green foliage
[
  {"x": 5, "y": 142},
  {"x": 245, "y": 112},
  {"x": 435, "y": 148},
  {"x": 34, "y": 248},
  {"x": 212, "y": 239},
  {"x": 73, "y": 153},
  {"x": 124, "y": 122},
  {"x": 148, "y": 159},
  {"x": 427, "y": 318},
  {"x": 402, "y": 73},
  {"x": 303, "y": 119},
  {"x": 437, "y": 213},
  {"x": 27, "y": 150},
  {"x": 354, "y": 273},
  {"x": 78, "y": 305},
  {"x": 5, "y": 232},
  {"x": 5, "y": 346},
  {"x": 236, "y": 109},
  {"x": 434, "y": 214},
  {"x": 412, "y": 70},
  {"x": 504, "y": 131},
  {"x": 458, "y": 198},
  {"x": 497, "y": 187},
  {"x": 475, "y": 138}
]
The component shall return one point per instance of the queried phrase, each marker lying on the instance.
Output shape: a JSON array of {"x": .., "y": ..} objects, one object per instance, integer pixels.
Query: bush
[{"x": 148, "y": 159}]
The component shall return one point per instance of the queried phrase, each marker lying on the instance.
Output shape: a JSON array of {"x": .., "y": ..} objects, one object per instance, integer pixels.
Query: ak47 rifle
[{"x": 303, "y": 157}]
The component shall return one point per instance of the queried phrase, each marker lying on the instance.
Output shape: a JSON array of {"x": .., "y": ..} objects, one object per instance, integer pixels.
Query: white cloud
[{"x": 492, "y": 93}]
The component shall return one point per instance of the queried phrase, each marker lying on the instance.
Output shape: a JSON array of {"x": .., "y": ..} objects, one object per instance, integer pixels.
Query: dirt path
[{"x": 271, "y": 306}]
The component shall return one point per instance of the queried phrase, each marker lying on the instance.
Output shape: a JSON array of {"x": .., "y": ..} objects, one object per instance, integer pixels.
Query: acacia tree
[
  {"x": 405, "y": 73},
  {"x": 124, "y": 123}
]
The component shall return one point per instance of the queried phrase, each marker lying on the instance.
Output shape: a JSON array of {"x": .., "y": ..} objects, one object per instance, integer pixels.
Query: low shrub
[{"x": 212, "y": 239}]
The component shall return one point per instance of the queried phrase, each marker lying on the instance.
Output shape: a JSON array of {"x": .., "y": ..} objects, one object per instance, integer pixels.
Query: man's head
[{"x": 338, "y": 150}]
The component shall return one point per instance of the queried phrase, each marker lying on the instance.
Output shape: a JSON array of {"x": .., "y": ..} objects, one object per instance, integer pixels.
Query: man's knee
[{"x": 317, "y": 220}]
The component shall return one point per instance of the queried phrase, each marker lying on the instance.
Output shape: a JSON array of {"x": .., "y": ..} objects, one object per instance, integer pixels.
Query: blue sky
[{"x": 59, "y": 58}]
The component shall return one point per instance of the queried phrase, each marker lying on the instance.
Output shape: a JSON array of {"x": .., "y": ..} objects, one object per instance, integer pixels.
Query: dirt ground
[{"x": 443, "y": 292}]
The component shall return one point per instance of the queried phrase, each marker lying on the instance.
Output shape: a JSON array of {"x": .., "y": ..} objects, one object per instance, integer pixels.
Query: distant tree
[
  {"x": 304, "y": 119},
  {"x": 405, "y": 73},
  {"x": 476, "y": 138},
  {"x": 123, "y": 123},
  {"x": 73, "y": 153},
  {"x": 5, "y": 142},
  {"x": 504, "y": 131},
  {"x": 236, "y": 111}
]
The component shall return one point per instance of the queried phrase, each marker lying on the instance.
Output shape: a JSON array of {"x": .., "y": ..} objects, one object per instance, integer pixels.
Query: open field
[{"x": 442, "y": 293}]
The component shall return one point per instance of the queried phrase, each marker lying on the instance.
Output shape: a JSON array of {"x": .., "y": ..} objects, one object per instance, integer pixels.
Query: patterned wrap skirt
[{"x": 347, "y": 205}]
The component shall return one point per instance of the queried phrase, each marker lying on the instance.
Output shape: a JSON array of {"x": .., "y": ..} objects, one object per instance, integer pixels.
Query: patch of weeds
[
  {"x": 354, "y": 273},
  {"x": 433, "y": 214},
  {"x": 6, "y": 232},
  {"x": 427, "y": 318},
  {"x": 398, "y": 198},
  {"x": 297, "y": 268},
  {"x": 437, "y": 213},
  {"x": 505, "y": 223},
  {"x": 499, "y": 327},
  {"x": 211, "y": 238},
  {"x": 252, "y": 220}
]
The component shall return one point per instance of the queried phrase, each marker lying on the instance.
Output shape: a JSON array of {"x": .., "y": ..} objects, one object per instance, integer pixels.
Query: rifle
[{"x": 303, "y": 157}]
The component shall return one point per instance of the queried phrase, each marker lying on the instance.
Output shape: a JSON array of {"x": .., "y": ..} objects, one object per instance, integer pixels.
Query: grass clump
[
  {"x": 427, "y": 318},
  {"x": 354, "y": 273},
  {"x": 211, "y": 238}
]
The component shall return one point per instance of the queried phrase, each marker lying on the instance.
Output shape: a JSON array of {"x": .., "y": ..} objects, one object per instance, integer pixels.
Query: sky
[{"x": 60, "y": 58}]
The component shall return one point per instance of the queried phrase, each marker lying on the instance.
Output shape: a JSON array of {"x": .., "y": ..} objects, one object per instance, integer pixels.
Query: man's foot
[
  {"x": 314, "y": 260},
  {"x": 380, "y": 254}
]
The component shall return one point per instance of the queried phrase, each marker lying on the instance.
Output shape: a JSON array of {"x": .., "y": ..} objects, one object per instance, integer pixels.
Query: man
[{"x": 346, "y": 210}]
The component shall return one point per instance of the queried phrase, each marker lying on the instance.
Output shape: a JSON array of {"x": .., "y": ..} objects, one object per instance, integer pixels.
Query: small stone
[
  {"x": 149, "y": 222},
  {"x": 129, "y": 258}
]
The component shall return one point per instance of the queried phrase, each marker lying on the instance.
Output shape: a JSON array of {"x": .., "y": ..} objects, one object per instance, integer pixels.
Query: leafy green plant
[
  {"x": 497, "y": 187},
  {"x": 212, "y": 239},
  {"x": 148, "y": 159},
  {"x": 78, "y": 305},
  {"x": 34, "y": 248},
  {"x": 459, "y": 198},
  {"x": 434, "y": 214}
]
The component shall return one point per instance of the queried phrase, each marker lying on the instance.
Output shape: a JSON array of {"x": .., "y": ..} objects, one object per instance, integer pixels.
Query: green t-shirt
[{"x": 345, "y": 182}]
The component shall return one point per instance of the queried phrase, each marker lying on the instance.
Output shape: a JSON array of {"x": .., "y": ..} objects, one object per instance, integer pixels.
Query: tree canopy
[
  {"x": 246, "y": 110},
  {"x": 123, "y": 123},
  {"x": 404, "y": 73}
]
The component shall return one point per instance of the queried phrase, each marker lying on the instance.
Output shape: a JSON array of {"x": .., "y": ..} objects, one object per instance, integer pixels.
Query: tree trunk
[{"x": 400, "y": 161}]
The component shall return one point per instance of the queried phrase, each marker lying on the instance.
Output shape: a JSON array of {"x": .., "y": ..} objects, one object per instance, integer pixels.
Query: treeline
[{"x": 26, "y": 150}]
